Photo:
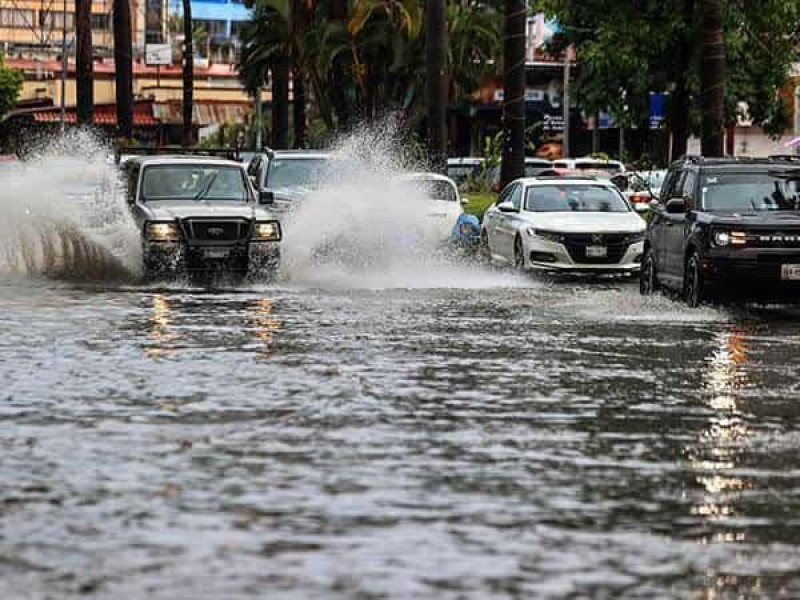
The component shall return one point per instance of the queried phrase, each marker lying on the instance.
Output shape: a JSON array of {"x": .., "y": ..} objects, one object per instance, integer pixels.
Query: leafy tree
[
  {"x": 627, "y": 49},
  {"x": 10, "y": 86}
]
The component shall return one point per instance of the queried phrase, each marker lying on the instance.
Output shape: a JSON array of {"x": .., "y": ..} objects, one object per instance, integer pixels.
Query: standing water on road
[{"x": 411, "y": 431}]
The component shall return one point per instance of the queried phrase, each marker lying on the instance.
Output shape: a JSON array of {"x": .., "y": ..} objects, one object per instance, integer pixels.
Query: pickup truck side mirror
[
  {"x": 676, "y": 206},
  {"x": 266, "y": 197},
  {"x": 507, "y": 207}
]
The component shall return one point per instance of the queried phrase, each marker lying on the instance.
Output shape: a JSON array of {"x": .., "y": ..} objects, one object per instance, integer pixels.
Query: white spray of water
[
  {"x": 62, "y": 214},
  {"x": 366, "y": 229}
]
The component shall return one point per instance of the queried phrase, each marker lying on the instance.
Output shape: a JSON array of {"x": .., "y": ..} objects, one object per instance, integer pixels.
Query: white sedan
[
  {"x": 564, "y": 224},
  {"x": 442, "y": 202}
]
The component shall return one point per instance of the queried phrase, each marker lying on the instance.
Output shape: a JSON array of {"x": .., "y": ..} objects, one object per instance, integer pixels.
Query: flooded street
[{"x": 468, "y": 434}]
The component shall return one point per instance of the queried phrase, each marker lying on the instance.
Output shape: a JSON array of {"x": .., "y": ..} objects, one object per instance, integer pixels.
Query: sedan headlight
[
  {"x": 635, "y": 238},
  {"x": 550, "y": 236},
  {"x": 163, "y": 232},
  {"x": 267, "y": 231}
]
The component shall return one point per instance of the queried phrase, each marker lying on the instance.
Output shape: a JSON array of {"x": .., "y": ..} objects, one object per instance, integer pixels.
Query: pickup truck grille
[
  {"x": 615, "y": 243},
  {"x": 217, "y": 230}
]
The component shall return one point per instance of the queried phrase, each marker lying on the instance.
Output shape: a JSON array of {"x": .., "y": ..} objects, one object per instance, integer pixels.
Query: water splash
[{"x": 62, "y": 216}]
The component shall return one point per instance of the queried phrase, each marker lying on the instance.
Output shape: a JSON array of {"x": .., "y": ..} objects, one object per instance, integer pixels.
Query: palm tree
[
  {"x": 124, "y": 68},
  {"x": 712, "y": 77},
  {"x": 84, "y": 81},
  {"x": 436, "y": 82},
  {"x": 514, "y": 93}
]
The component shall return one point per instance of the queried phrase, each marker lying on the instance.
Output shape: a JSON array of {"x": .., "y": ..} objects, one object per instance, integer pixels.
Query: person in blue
[{"x": 466, "y": 232}]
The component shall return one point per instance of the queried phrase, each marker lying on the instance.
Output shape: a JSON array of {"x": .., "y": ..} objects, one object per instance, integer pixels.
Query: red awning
[{"x": 103, "y": 115}]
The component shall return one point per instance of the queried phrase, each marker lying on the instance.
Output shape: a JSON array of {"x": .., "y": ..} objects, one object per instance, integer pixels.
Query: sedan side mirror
[
  {"x": 507, "y": 207},
  {"x": 676, "y": 206},
  {"x": 266, "y": 197},
  {"x": 642, "y": 207}
]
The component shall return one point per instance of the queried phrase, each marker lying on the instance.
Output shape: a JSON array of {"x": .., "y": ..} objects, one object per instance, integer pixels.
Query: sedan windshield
[
  {"x": 574, "y": 198},
  {"x": 748, "y": 192},
  {"x": 297, "y": 172},
  {"x": 193, "y": 182},
  {"x": 434, "y": 189}
]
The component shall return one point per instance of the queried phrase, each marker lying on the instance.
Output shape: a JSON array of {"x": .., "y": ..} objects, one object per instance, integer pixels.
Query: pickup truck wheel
[
  {"x": 693, "y": 281},
  {"x": 519, "y": 254},
  {"x": 648, "y": 281}
]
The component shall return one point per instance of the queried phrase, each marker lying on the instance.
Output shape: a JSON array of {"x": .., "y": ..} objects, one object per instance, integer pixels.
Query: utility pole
[
  {"x": 188, "y": 74},
  {"x": 437, "y": 82},
  {"x": 565, "y": 107},
  {"x": 513, "y": 165},
  {"x": 64, "y": 71},
  {"x": 123, "y": 65},
  {"x": 712, "y": 78},
  {"x": 84, "y": 80}
]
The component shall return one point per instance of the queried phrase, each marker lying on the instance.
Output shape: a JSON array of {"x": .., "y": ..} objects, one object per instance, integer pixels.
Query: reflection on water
[
  {"x": 264, "y": 325},
  {"x": 163, "y": 336}
]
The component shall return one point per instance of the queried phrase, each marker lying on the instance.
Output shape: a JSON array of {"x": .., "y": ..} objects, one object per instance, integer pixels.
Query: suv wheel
[
  {"x": 519, "y": 254},
  {"x": 648, "y": 281},
  {"x": 693, "y": 281}
]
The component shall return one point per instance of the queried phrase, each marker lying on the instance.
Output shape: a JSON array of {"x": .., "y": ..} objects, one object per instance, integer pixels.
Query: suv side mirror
[
  {"x": 676, "y": 206},
  {"x": 266, "y": 197},
  {"x": 507, "y": 207}
]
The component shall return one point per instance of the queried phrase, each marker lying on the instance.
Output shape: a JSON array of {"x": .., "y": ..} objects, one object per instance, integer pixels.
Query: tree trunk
[
  {"x": 436, "y": 87},
  {"x": 680, "y": 101},
  {"x": 712, "y": 78},
  {"x": 299, "y": 87},
  {"x": 280, "y": 105},
  {"x": 513, "y": 165},
  {"x": 123, "y": 52},
  {"x": 83, "y": 62},
  {"x": 188, "y": 74},
  {"x": 337, "y": 11}
]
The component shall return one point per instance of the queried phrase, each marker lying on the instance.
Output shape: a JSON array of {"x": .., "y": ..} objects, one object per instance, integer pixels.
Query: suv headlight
[
  {"x": 729, "y": 238},
  {"x": 163, "y": 232},
  {"x": 267, "y": 231},
  {"x": 550, "y": 236}
]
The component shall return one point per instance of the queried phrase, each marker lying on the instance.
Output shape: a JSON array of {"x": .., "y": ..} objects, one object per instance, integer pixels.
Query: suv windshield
[
  {"x": 193, "y": 182},
  {"x": 573, "y": 198},
  {"x": 748, "y": 192},
  {"x": 295, "y": 172}
]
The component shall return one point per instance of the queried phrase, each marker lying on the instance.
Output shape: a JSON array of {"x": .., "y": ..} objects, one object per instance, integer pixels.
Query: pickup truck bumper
[{"x": 173, "y": 259}]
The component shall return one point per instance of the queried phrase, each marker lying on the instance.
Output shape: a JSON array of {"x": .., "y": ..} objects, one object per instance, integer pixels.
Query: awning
[{"x": 103, "y": 115}]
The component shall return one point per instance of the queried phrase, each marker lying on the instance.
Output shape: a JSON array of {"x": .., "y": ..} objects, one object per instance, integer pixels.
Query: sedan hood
[
  {"x": 586, "y": 222},
  {"x": 168, "y": 211}
]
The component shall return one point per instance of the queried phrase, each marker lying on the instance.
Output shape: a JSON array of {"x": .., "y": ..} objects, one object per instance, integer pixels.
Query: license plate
[
  {"x": 216, "y": 252},
  {"x": 790, "y": 272},
  {"x": 596, "y": 251}
]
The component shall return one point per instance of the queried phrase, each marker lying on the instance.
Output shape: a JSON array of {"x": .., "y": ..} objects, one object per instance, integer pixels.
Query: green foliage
[
  {"x": 627, "y": 49},
  {"x": 478, "y": 202},
  {"x": 10, "y": 86}
]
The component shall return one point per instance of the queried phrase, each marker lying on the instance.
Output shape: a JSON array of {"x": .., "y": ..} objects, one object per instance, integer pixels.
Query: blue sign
[{"x": 658, "y": 109}]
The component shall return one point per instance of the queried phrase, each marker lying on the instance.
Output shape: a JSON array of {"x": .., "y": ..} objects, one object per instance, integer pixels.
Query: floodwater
[{"x": 443, "y": 431}]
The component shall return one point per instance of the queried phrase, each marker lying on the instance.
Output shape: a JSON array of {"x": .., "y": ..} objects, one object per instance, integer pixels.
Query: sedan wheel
[
  {"x": 693, "y": 281},
  {"x": 484, "y": 253},
  {"x": 519, "y": 254},
  {"x": 648, "y": 282}
]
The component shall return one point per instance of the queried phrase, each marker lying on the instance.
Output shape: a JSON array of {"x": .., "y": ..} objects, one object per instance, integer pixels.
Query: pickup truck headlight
[
  {"x": 267, "y": 231},
  {"x": 550, "y": 236},
  {"x": 163, "y": 232}
]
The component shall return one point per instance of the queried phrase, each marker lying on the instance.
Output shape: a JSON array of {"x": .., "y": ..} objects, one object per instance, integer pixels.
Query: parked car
[
  {"x": 564, "y": 224},
  {"x": 200, "y": 214},
  {"x": 444, "y": 204},
  {"x": 727, "y": 227},
  {"x": 611, "y": 167},
  {"x": 644, "y": 186}
]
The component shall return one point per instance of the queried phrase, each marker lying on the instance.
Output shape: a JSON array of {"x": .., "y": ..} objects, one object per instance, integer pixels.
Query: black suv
[{"x": 727, "y": 227}]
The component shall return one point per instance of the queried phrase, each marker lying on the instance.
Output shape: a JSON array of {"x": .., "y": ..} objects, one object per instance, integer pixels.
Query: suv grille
[
  {"x": 774, "y": 239},
  {"x": 615, "y": 243},
  {"x": 230, "y": 230}
]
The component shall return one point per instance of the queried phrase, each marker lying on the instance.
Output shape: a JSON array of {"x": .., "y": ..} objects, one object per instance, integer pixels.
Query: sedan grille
[
  {"x": 616, "y": 245},
  {"x": 217, "y": 230}
]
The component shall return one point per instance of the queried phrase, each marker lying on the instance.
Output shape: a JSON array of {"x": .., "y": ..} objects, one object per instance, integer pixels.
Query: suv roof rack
[{"x": 229, "y": 153}]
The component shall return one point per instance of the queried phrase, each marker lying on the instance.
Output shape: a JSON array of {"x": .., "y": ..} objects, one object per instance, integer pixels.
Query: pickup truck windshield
[
  {"x": 748, "y": 192},
  {"x": 193, "y": 182},
  {"x": 296, "y": 172},
  {"x": 574, "y": 198}
]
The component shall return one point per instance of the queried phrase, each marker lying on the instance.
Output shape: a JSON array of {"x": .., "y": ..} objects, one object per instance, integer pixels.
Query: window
[
  {"x": 516, "y": 197},
  {"x": 574, "y": 198},
  {"x": 12, "y": 17},
  {"x": 101, "y": 21},
  {"x": 53, "y": 19}
]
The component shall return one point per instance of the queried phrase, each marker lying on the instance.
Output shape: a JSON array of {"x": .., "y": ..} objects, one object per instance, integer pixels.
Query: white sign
[{"x": 158, "y": 54}]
